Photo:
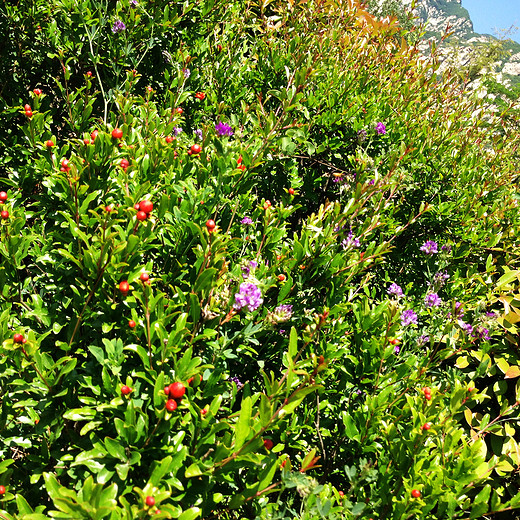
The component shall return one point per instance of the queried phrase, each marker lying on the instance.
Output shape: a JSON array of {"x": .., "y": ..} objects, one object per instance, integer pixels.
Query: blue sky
[{"x": 487, "y": 15}]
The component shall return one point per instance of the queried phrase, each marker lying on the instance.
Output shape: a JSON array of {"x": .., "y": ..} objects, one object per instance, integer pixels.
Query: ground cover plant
[{"x": 257, "y": 261}]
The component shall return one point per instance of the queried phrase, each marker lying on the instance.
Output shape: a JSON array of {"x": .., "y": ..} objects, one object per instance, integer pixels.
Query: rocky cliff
[{"x": 463, "y": 47}]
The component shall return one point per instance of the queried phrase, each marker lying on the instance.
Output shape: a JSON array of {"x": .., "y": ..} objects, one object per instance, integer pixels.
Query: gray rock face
[{"x": 441, "y": 16}]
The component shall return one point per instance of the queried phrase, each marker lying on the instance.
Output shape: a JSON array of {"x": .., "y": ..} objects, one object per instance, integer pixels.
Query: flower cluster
[
  {"x": 222, "y": 129},
  {"x": 281, "y": 314},
  {"x": 430, "y": 247},
  {"x": 248, "y": 295},
  {"x": 381, "y": 128},
  {"x": 198, "y": 134},
  {"x": 423, "y": 339},
  {"x": 439, "y": 279},
  {"x": 186, "y": 73},
  {"x": 237, "y": 381},
  {"x": 246, "y": 221},
  {"x": 176, "y": 130},
  {"x": 118, "y": 27},
  {"x": 395, "y": 290},
  {"x": 246, "y": 269},
  {"x": 408, "y": 317},
  {"x": 350, "y": 241},
  {"x": 432, "y": 300}
]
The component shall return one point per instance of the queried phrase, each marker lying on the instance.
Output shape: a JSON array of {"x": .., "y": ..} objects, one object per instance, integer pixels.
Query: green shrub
[{"x": 326, "y": 264}]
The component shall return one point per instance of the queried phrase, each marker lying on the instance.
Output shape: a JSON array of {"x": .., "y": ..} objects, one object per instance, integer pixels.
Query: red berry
[
  {"x": 179, "y": 110},
  {"x": 28, "y": 113},
  {"x": 18, "y": 338},
  {"x": 281, "y": 277},
  {"x": 416, "y": 493},
  {"x": 169, "y": 139},
  {"x": 136, "y": 206},
  {"x": 37, "y": 92},
  {"x": 89, "y": 74},
  {"x": 196, "y": 148},
  {"x": 219, "y": 48},
  {"x": 150, "y": 501},
  {"x": 27, "y": 108},
  {"x": 144, "y": 277},
  {"x": 268, "y": 444},
  {"x": 94, "y": 134},
  {"x": 171, "y": 405},
  {"x": 131, "y": 324},
  {"x": 146, "y": 206},
  {"x": 200, "y": 95},
  {"x": 2, "y": 490},
  {"x": 5, "y": 214},
  {"x": 427, "y": 390},
  {"x": 177, "y": 390},
  {"x": 125, "y": 163},
  {"x": 125, "y": 390},
  {"x": 426, "y": 426},
  {"x": 141, "y": 215},
  {"x": 124, "y": 287},
  {"x": 210, "y": 225},
  {"x": 86, "y": 141},
  {"x": 267, "y": 204},
  {"x": 291, "y": 191},
  {"x": 427, "y": 396},
  {"x": 3, "y": 196},
  {"x": 117, "y": 133},
  {"x": 167, "y": 390}
]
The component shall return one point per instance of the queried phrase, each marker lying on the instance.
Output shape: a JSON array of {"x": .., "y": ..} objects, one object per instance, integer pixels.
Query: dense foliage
[{"x": 257, "y": 261}]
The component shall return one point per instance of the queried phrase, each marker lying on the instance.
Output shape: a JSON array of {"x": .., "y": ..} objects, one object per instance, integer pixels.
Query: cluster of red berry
[
  {"x": 144, "y": 208},
  {"x": 3, "y": 198}
]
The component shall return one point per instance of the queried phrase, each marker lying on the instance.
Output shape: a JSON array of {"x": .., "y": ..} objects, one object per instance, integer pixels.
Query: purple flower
[
  {"x": 439, "y": 278},
  {"x": 176, "y": 130},
  {"x": 283, "y": 312},
  {"x": 429, "y": 247},
  {"x": 187, "y": 73},
  {"x": 491, "y": 315},
  {"x": 222, "y": 129},
  {"x": 246, "y": 221},
  {"x": 446, "y": 248},
  {"x": 395, "y": 290},
  {"x": 408, "y": 317},
  {"x": 198, "y": 134},
  {"x": 133, "y": 4},
  {"x": 397, "y": 348},
  {"x": 253, "y": 264},
  {"x": 466, "y": 327},
  {"x": 237, "y": 381},
  {"x": 432, "y": 300},
  {"x": 423, "y": 339},
  {"x": 249, "y": 296},
  {"x": 350, "y": 241},
  {"x": 118, "y": 27},
  {"x": 381, "y": 128},
  {"x": 481, "y": 333},
  {"x": 245, "y": 271}
]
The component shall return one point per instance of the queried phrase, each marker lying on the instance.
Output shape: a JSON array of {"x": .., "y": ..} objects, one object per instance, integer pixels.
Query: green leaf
[
  {"x": 80, "y": 414},
  {"x": 190, "y": 514},
  {"x": 243, "y": 428}
]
